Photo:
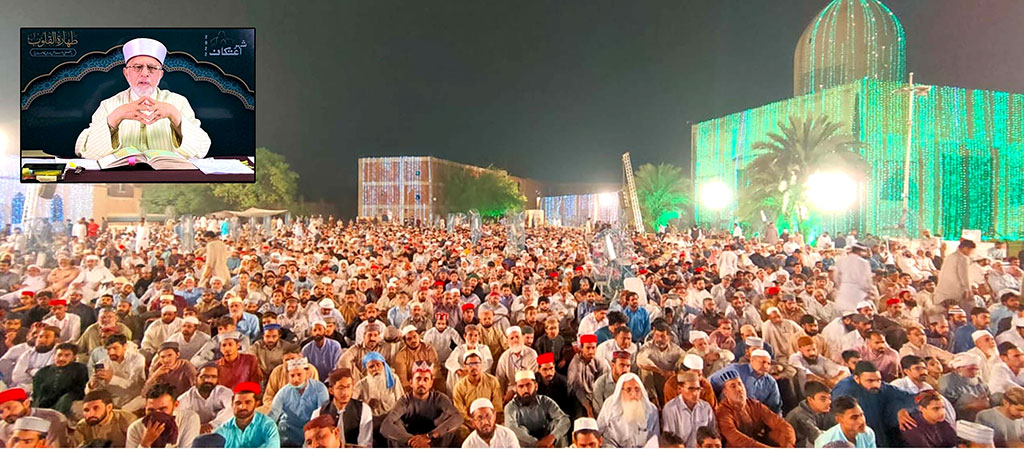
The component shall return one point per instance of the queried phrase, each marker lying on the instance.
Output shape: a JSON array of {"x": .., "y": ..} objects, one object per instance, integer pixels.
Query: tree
[
  {"x": 777, "y": 178},
  {"x": 276, "y": 187},
  {"x": 662, "y": 191},
  {"x": 492, "y": 192}
]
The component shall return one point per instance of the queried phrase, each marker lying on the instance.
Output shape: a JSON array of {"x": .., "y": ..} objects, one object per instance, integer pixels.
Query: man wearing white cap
[
  {"x": 536, "y": 420},
  {"x": 294, "y": 404},
  {"x": 91, "y": 278},
  {"x": 516, "y": 358},
  {"x": 159, "y": 331},
  {"x": 144, "y": 116},
  {"x": 322, "y": 352},
  {"x": 29, "y": 432},
  {"x": 985, "y": 351},
  {"x": 488, "y": 434},
  {"x": 779, "y": 333},
  {"x": 975, "y": 435},
  {"x": 190, "y": 339},
  {"x": 585, "y": 434},
  {"x": 414, "y": 350},
  {"x": 760, "y": 385},
  {"x": 853, "y": 279},
  {"x": 1015, "y": 334},
  {"x": 962, "y": 387}
]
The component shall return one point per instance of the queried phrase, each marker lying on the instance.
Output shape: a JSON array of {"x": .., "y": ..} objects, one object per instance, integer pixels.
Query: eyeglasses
[{"x": 138, "y": 68}]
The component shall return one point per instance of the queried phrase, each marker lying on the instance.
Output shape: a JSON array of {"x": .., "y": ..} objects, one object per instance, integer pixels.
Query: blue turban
[
  {"x": 719, "y": 379},
  {"x": 369, "y": 357}
]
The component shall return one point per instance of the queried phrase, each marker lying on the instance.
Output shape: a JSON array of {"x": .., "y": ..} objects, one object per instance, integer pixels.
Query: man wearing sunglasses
[{"x": 144, "y": 116}]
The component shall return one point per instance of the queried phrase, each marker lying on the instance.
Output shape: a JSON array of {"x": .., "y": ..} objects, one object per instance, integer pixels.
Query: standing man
[
  {"x": 954, "y": 282},
  {"x": 216, "y": 259},
  {"x": 853, "y": 279}
]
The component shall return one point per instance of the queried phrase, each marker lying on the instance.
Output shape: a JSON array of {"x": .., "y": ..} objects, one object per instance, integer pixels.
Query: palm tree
[
  {"x": 777, "y": 178},
  {"x": 662, "y": 191}
]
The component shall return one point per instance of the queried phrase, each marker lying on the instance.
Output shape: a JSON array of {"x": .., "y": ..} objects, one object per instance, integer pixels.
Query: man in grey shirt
[{"x": 1007, "y": 420}]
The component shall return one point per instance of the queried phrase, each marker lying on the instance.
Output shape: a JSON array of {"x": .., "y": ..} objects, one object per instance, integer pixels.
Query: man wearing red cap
[
  {"x": 554, "y": 385},
  {"x": 15, "y": 404},
  {"x": 249, "y": 428},
  {"x": 584, "y": 370},
  {"x": 468, "y": 316},
  {"x": 70, "y": 324},
  {"x": 578, "y": 276}
]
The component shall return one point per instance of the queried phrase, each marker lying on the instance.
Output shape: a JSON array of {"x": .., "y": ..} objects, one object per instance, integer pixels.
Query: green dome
[{"x": 847, "y": 41}]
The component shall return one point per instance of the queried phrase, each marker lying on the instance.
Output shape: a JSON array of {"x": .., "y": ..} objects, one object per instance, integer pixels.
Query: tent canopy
[{"x": 249, "y": 213}]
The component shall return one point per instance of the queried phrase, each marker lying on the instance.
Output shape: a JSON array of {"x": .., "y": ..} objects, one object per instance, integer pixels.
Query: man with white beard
[
  {"x": 379, "y": 388},
  {"x": 136, "y": 116},
  {"x": 628, "y": 418},
  {"x": 518, "y": 357}
]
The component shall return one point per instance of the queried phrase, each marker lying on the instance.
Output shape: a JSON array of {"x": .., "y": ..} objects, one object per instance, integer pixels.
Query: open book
[{"x": 156, "y": 159}]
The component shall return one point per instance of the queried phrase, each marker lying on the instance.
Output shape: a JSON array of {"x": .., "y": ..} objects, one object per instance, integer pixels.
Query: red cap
[
  {"x": 467, "y": 306},
  {"x": 553, "y": 275},
  {"x": 546, "y": 357},
  {"x": 578, "y": 268},
  {"x": 772, "y": 291},
  {"x": 439, "y": 284},
  {"x": 56, "y": 302},
  {"x": 441, "y": 315},
  {"x": 892, "y": 301},
  {"x": 247, "y": 386},
  {"x": 200, "y": 259},
  {"x": 13, "y": 394},
  {"x": 699, "y": 269},
  {"x": 374, "y": 267},
  {"x": 642, "y": 271},
  {"x": 588, "y": 338},
  {"x": 28, "y": 293}
]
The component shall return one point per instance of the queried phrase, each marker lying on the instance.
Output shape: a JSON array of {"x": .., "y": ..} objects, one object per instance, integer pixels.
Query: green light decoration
[
  {"x": 662, "y": 192},
  {"x": 966, "y": 161},
  {"x": 967, "y": 150}
]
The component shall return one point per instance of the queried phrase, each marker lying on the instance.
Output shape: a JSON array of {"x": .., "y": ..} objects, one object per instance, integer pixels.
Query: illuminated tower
[{"x": 847, "y": 41}]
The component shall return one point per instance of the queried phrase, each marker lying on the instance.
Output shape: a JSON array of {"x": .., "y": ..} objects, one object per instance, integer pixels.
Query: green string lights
[{"x": 966, "y": 161}]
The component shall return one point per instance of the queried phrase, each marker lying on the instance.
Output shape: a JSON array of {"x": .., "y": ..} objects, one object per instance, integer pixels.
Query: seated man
[
  {"x": 474, "y": 385},
  {"x": 122, "y": 373},
  {"x": 537, "y": 421},
  {"x": 850, "y": 426},
  {"x": 294, "y": 404},
  {"x": 171, "y": 369},
  {"x": 760, "y": 385},
  {"x": 687, "y": 412},
  {"x": 163, "y": 416},
  {"x": 353, "y": 417},
  {"x": 30, "y": 432},
  {"x": 968, "y": 392},
  {"x": 745, "y": 422},
  {"x": 585, "y": 434},
  {"x": 322, "y": 432},
  {"x": 248, "y": 428},
  {"x": 58, "y": 385},
  {"x": 210, "y": 400},
  {"x": 812, "y": 416},
  {"x": 144, "y": 116},
  {"x": 886, "y": 408},
  {"x": 1007, "y": 420},
  {"x": 811, "y": 366},
  {"x": 424, "y": 418},
  {"x": 15, "y": 405},
  {"x": 101, "y": 422},
  {"x": 486, "y": 432},
  {"x": 628, "y": 418}
]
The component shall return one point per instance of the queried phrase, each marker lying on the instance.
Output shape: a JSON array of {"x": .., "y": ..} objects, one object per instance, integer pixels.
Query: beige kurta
[
  {"x": 217, "y": 260},
  {"x": 100, "y": 142}
]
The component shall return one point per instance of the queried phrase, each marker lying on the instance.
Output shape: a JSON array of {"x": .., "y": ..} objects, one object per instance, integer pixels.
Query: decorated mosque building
[{"x": 850, "y": 65}]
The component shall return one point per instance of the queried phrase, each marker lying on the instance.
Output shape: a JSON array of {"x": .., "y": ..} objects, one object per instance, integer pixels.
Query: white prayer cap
[
  {"x": 191, "y": 320},
  {"x": 216, "y": 279},
  {"x": 760, "y": 353},
  {"x": 92, "y": 257},
  {"x": 772, "y": 309},
  {"x": 166, "y": 297},
  {"x": 975, "y": 433},
  {"x": 693, "y": 362},
  {"x": 849, "y": 313},
  {"x": 407, "y": 329},
  {"x": 864, "y": 304},
  {"x": 234, "y": 300},
  {"x": 169, "y": 309},
  {"x": 299, "y": 363},
  {"x": 697, "y": 335},
  {"x": 479, "y": 403},
  {"x": 454, "y": 291},
  {"x": 979, "y": 333},
  {"x": 1018, "y": 321},
  {"x": 963, "y": 359},
  {"x": 756, "y": 342},
  {"x": 584, "y": 424},
  {"x": 326, "y": 280},
  {"x": 326, "y": 303},
  {"x": 144, "y": 46},
  {"x": 32, "y": 424},
  {"x": 512, "y": 329},
  {"x": 317, "y": 321},
  {"x": 471, "y": 353},
  {"x": 524, "y": 374}
]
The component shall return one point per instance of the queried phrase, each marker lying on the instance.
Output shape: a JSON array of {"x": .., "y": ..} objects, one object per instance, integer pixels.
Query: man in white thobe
[
  {"x": 853, "y": 279},
  {"x": 144, "y": 116},
  {"x": 954, "y": 282}
]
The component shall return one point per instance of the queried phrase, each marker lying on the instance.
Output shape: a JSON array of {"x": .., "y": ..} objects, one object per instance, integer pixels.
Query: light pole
[{"x": 912, "y": 91}]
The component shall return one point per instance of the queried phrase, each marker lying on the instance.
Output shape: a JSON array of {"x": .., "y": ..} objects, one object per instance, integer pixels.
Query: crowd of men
[{"x": 368, "y": 334}]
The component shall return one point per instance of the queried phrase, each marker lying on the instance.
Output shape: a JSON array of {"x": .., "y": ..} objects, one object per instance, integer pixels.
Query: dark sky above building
[{"x": 553, "y": 90}]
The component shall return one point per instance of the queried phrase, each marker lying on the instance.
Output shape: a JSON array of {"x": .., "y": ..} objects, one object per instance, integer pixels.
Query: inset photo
[{"x": 138, "y": 105}]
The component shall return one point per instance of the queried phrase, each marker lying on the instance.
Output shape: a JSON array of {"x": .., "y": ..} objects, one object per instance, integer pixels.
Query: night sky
[{"x": 553, "y": 90}]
